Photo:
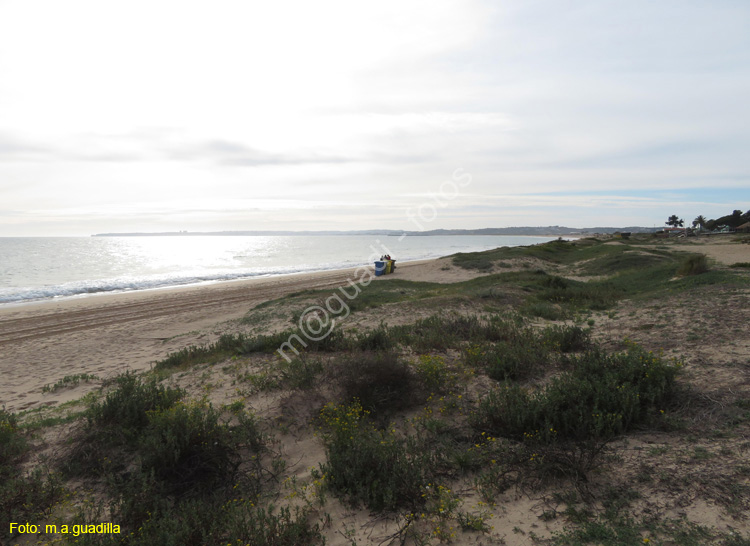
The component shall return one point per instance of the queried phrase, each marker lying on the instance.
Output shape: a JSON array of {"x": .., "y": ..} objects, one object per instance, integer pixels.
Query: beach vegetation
[
  {"x": 172, "y": 464},
  {"x": 567, "y": 423},
  {"x": 693, "y": 265},
  {"x": 544, "y": 310},
  {"x": 25, "y": 495},
  {"x": 70, "y": 381},
  {"x": 301, "y": 372},
  {"x": 370, "y": 465}
]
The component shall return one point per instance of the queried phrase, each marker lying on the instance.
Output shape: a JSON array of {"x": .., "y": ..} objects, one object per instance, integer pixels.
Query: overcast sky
[{"x": 152, "y": 115}]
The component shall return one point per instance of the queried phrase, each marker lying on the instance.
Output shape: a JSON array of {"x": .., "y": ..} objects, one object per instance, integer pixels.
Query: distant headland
[{"x": 524, "y": 230}]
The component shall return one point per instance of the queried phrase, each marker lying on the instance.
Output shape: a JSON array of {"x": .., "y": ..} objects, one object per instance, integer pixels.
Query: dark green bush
[
  {"x": 371, "y": 466},
  {"x": 124, "y": 411},
  {"x": 597, "y": 296},
  {"x": 543, "y": 310},
  {"x": 188, "y": 448},
  {"x": 265, "y": 527},
  {"x": 566, "y": 339},
  {"x": 506, "y": 361},
  {"x": 168, "y": 465},
  {"x": 226, "y": 346},
  {"x": 601, "y": 397}
]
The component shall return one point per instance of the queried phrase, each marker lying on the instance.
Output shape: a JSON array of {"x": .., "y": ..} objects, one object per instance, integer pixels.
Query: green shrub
[
  {"x": 693, "y": 265},
  {"x": 519, "y": 354},
  {"x": 263, "y": 527},
  {"x": 566, "y": 339},
  {"x": 164, "y": 461},
  {"x": 226, "y": 346},
  {"x": 506, "y": 361},
  {"x": 591, "y": 295},
  {"x": 187, "y": 448},
  {"x": 434, "y": 373},
  {"x": 370, "y": 466},
  {"x": 301, "y": 372},
  {"x": 377, "y": 339},
  {"x": 601, "y": 397},
  {"x": 543, "y": 310},
  {"x": 125, "y": 409},
  {"x": 24, "y": 496},
  {"x": 69, "y": 381}
]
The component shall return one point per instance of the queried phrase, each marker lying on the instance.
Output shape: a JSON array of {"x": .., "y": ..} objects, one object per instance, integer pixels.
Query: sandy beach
[{"x": 107, "y": 334}]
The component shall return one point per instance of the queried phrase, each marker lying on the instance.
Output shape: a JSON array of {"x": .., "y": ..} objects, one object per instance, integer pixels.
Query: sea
[{"x": 45, "y": 268}]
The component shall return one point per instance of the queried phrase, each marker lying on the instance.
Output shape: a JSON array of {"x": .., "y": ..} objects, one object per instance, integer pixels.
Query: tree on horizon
[
  {"x": 700, "y": 221},
  {"x": 674, "y": 221}
]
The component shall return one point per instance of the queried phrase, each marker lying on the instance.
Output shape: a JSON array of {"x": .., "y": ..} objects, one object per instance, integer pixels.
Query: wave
[{"x": 131, "y": 284}]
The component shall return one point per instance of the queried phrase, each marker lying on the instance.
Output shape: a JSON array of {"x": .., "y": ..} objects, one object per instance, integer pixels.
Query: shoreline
[
  {"x": 191, "y": 286},
  {"x": 107, "y": 334},
  {"x": 95, "y": 282}
]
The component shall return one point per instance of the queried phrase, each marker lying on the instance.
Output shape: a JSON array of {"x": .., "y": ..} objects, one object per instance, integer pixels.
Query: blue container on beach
[{"x": 379, "y": 269}]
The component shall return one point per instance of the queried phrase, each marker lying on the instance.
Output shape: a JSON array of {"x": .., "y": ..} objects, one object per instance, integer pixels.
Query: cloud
[{"x": 324, "y": 113}]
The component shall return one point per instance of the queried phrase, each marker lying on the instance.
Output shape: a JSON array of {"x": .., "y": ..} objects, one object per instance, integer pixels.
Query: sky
[{"x": 164, "y": 115}]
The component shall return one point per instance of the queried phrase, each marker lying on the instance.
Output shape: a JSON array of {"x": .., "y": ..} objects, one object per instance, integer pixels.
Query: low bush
[
  {"x": 301, "y": 372},
  {"x": 601, "y": 397},
  {"x": 522, "y": 352},
  {"x": 161, "y": 457},
  {"x": 226, "y": 346},
  {"x": 576, "y": 294},
  {"x": 434, "y": 373},
  {"x": 189, "y": 450},
  {"x": 566, "y": 339},
  {"x": 376, "y": 339},
  {"x": 124, "y": 411},
  {"x": 543, "y": 310},
  {"x": 508, "y": 361},
  {"x": 692, "y": 265},
  {"x": 365, "y": 465},
  {"x": 24, "y": 496}
]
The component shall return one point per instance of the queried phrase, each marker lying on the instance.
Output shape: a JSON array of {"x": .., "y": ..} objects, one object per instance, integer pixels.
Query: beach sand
[{"x": 107, "y": 334}]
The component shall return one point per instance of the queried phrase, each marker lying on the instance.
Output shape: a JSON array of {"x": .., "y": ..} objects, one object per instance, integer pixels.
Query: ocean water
[{"x": 42, "y": 268}]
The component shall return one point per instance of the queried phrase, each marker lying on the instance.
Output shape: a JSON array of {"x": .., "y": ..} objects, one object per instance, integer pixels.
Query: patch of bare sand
[{"x": 725, "y": 252}]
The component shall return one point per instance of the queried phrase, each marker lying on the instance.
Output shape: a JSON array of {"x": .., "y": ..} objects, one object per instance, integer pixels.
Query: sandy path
[{"x": 107, "y": 334}]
